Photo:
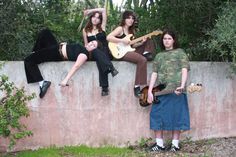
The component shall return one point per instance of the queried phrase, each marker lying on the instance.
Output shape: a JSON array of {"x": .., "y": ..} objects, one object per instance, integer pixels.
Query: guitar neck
[
  {"x": 141, "y": 38},
  {"x": 163, "y": 92}
]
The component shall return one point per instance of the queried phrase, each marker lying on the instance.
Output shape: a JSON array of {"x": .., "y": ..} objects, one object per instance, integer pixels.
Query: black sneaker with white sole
[
  {"x": 137, "y": 91},
  {"x": 173, "y": 148},
  {"x": 156, "y": 148},
  {"x": 44, "y": 88}
]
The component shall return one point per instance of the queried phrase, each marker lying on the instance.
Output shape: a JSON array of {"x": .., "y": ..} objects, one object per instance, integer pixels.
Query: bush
[
  {"x": 12, "y": 107},
  {"x": 221, "y": 43}
]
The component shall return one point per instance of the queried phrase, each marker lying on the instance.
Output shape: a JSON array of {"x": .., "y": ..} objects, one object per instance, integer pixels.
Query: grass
[
  {"x": 78, "y": 151},
  {"x": 190, "y": 148}
]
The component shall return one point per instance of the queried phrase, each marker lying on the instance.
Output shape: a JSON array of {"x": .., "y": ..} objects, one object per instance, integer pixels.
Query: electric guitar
[
  {"x": 160, "y": 90},
  {"x": 118, "y": 50}
]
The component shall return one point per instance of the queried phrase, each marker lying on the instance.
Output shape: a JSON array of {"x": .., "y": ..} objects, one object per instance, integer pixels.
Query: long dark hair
[
  {"x": 89, "y": 25},
  {"x": 173, "y": 35},
  {"x": 126, "y": 15}
]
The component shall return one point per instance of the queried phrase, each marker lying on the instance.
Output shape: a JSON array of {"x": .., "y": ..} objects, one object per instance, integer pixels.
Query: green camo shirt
[{"x": 168, "y": 64}]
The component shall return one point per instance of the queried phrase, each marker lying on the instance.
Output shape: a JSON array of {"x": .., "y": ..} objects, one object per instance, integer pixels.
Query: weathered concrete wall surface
[{"x": 78, "y": 114}]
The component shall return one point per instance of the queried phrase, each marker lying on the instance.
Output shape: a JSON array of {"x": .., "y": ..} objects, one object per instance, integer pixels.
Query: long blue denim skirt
[{"x": 171, "y": 113}]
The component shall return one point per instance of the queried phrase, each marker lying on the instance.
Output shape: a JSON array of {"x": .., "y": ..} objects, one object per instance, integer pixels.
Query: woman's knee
[
  {"x": 143, "y": 60},
  {"x": 45, "y": 32},
  {"x": 83, "y": 56}
]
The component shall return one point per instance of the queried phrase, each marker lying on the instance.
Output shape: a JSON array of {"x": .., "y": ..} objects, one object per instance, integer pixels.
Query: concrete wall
[{"x": 79, "y": 115}]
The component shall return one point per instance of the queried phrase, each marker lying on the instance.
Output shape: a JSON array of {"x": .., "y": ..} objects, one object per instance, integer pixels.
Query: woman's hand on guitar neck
[
  {"x": 150, "y": 97},
  {"x": 179, "y": 90},
  {"x": 144, "y": 39}
]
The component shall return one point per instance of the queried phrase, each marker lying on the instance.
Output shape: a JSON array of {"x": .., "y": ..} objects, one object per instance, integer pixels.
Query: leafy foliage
[
  {"x": 221, "y": 43},
  {"x": 21, "y": 20},
  {"x": 12, "y": 107}
]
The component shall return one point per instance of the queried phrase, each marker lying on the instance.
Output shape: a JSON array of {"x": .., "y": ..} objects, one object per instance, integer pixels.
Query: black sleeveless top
[
  {"x": 101, "y": 36},
  {"x": 122, "y": 36},
  {"x": 73, "y": 50}
]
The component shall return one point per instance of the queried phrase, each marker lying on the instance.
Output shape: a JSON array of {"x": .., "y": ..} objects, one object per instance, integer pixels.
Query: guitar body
[
  {"x": 144, "y": 95},
  {"x": 118, "y": 50}
]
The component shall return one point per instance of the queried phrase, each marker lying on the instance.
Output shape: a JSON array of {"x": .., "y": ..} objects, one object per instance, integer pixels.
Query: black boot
[
  {"x": 137, "y": 91},
  {"x": 114, "y": 72},
  {"x": 44, "y": 88},
  {"x": 148, "y": 56},
  {"x": 105, "y": 91}
]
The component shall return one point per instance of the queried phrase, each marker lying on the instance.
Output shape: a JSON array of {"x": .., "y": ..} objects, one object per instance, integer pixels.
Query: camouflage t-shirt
[{"x": 168, "y": 64}]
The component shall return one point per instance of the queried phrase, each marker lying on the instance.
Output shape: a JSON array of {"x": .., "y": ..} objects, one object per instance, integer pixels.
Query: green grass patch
[{"x": 78, "y": 151}]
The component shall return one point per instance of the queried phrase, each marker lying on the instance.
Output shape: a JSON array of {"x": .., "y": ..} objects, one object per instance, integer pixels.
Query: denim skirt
[{"x": 171, "y": 113}]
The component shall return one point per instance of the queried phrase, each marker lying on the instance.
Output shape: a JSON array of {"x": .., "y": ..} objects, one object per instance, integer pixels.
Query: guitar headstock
[
  {"x": 157, "y": 32},
  {"x": 194, "y": 87}
]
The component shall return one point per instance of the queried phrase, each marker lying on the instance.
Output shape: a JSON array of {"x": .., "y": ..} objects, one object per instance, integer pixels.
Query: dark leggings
[
  {"x": 137, "y": 58},
  {"x": 46, "y": 49},
  {"x": 104, "y": 66},
  {"x": 141, "y": 68}
]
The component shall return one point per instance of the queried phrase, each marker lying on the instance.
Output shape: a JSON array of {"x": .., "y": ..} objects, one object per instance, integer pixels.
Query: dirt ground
[{"x": 220, "y": 147}]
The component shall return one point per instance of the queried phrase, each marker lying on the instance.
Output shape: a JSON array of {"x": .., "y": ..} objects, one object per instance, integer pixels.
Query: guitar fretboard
[
  {"x": 164, "y": 92},
  {"x": 145, "y": 36}
]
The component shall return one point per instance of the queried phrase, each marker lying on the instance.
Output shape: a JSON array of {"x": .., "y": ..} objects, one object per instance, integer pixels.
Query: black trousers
[
  {"x": 104, "y": 65},
  {"x": 46, "y": 49}
]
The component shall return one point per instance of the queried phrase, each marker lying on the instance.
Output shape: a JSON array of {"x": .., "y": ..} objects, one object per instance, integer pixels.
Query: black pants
[
  {"x": 104, "y": 65},
  {"x": 46, "y": 49}
]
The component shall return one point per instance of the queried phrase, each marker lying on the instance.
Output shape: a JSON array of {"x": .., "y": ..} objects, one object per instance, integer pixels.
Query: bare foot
[{"x": 63, "y": 84}]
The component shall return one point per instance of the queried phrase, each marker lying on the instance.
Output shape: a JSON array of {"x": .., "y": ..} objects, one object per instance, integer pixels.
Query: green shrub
[
  {"x": 13, "y": 106},
  {"x": 221, "y": 43}
]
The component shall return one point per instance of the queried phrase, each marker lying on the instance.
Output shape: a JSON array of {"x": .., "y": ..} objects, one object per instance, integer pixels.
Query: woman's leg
[
  {"x": 104, "y": 65},
  {"x": 31, "y": 62},
  {"x": 81, "y": 59},
  {"x": 147, "y": 49},
  {"x": 104, "y": 62},
  {"x": 32, "y": 71},
  {"x": 141, "y": 70},
  {"x": 159, "y": 144},
  {"x": 175, "y": 140},
  {"x": 176, "y": 134},
  {"x": 159, "y": 138},
  {"x": 103, "y": 80},
  {"x": 45, "y": 39}
]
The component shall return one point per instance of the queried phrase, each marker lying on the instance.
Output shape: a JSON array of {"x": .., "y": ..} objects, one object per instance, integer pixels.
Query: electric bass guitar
[
  {"x": 160, "y": 90},
  {"x": 118, "y": 50}
]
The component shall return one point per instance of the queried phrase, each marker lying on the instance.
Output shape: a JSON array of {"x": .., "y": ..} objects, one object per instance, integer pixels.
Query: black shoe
[
  {"x": 172, "y": 148},
  {"x": 105, "y": 91},
  {"x": 156, "y": 148},
  {"x": 148, "y": 56},
  {"x": 114, "y": 72},
  {"x": 44, "y": 88},
  {"x": 137, "y": 91}
]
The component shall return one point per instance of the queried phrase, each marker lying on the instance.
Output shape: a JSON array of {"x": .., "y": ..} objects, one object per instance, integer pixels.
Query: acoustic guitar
[
  {"x": 160, "y": 90},
  {"x": 118, "y": 50}
]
